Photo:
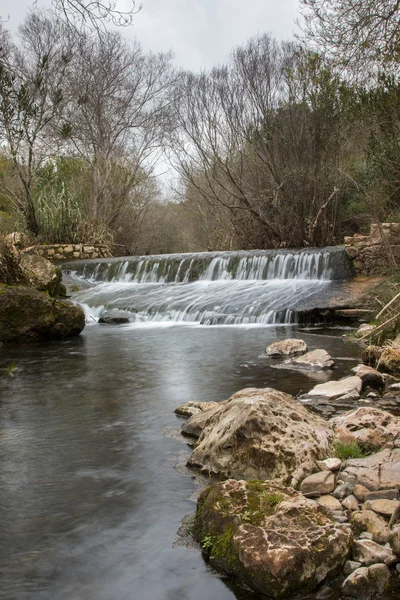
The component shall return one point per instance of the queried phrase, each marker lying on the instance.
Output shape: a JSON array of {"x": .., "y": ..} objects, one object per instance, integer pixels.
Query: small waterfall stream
[{"x": 225, "y": 288}]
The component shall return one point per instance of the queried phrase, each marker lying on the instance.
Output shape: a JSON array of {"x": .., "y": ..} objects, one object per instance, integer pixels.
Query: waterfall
[{"x": 225, "y": 288}]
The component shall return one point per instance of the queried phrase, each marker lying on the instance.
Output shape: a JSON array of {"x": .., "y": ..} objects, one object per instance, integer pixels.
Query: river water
[{"x": 92, "y": 489}]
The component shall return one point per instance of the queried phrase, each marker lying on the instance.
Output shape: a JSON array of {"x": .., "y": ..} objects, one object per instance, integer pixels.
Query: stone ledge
[
  {"x": 368, "y": 252},
  {"x": 61, "y": 252}
]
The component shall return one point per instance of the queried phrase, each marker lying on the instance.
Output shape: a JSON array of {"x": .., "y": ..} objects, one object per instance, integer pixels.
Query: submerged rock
[
  {"x": 261, "y": 434},
  {"x": 273, "y": 539},
  {"x": 194, "y": 408},
  {"x": 26, "y": 315},
  {"x": 318, "y": 360},
  {"x": 289, "y": 347},
  {"x": 114, "y": 317},
  {"x": 366, "y": 425}
]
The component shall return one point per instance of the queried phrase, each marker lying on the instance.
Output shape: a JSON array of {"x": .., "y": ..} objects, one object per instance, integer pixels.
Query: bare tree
[{"x": 95, "y": 14}]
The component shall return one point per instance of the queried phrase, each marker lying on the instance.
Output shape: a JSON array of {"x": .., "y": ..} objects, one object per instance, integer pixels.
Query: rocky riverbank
[
  {"x": 303, "y": 500},
  {"x": 32, "y": 304}
]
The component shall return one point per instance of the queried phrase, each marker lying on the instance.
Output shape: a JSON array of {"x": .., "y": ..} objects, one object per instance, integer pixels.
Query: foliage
[{"x": 348, "y": 450}]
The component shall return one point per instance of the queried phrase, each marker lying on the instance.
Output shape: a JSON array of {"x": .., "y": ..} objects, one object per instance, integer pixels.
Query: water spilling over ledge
[{"x": 260, "y": 286}]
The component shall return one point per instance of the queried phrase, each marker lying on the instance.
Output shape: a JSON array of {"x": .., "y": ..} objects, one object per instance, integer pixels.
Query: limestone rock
[
  {"x": 389, "y": 361},
  {"x": 368, "y": 552},
  {"x": 28, "y": 315},
  {"x": 329, "y": 464},
  {"x": 367, "y": 583},
  {"x": 350, "y": 566},
  {"x": 394, "y": 540},
  {"x": 196, "y": 423},
  {"x": 194, "y": 408},
  {"x": 42, "y": 274},
  {"x": 330, "y": 502},
  {"x": 384, "y": 507},
  {"x": 370, "y": 377},
  {"x": 262, "y": 434},
  {"x": 114, "y": 317},
  {"x": 335, "y": 389},
  {"x": 318, "y": 483},
  {"x": 367, "y": 520},
  {"x": 343, "y": 490},
  {"x": 288, "y": 347},
  {"x": 366, "y": 425},
  {"x": 379, "y": 471},
  {"x": 261, "y": 532},
  {"x": 318, "y": 360},
  {"x": 350, "y": 502},
  {"x": 360, "y": 492}
]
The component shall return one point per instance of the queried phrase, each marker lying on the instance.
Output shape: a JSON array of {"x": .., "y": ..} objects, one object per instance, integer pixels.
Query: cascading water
[{"x": 265, "y": 286}]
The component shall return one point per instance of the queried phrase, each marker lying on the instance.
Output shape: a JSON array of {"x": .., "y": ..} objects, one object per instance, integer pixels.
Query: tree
[{"x": 354, "y": 33}]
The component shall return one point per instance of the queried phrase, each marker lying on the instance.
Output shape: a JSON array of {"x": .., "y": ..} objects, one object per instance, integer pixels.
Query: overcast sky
[{"x": 201, "y": 33}]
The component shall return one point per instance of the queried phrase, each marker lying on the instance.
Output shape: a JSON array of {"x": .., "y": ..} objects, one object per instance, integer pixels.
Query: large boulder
[
  {"x": 317, "y": 360},
  {"x": 366, "y": 583},
  {"x": 284, "y": 348},
  {"x": 273, "y": 539},
  {"x": 262, "y": 434},
  {"x": 336, "y": 389},
  {"x": 366, "y": 425},
  {"x": 26, "y": 315},
  {"x": 380, "y": 471},
  {"x": 42, "y": 274}
]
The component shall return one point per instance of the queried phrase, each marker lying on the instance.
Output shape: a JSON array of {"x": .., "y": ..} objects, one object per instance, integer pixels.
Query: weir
[{"x": 209, "y": 288}]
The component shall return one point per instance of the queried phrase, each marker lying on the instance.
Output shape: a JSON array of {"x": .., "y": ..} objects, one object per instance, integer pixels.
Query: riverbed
[{"x": 92, "y": 489}]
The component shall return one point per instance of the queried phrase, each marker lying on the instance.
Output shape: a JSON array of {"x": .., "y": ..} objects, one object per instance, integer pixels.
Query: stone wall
[
  {"x": 70, "y": 251},
  {"x": 370, "y": 256}
]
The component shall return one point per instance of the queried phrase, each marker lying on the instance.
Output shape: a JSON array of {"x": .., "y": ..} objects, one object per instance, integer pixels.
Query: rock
[
  {"x": 367, "y": 520},
  {"x": 371, "y": 355},
  {"x": 394, "y": 540},
  {"x": 194, "y": 408},
  {"x": 318, "y": 360},
  {"x": 366, "y": 425},
  {"x": 318, "y": 483},
  {"x": 114, "y": 317},
  {"x": 350, "y": 502},
  {"x": 289, "y": 347},
  {"x": 18, "y": 239},
  {"x": 367, "y": 583},
  {"x": 335, "y": 389},
  {"x": 330, "y": 502},
  {"x": 350, "y": 566},
  {"x": 329, "y": 464},
  {"x": 384, "y": 507},
  {"x": 388, "y": 494},
  {"x": 370, "y": 377},
  {"x": 27, "y": 315},
  {"x": 389, "y": 361},
  {"x": 368, "y": 552},
  {"x": 366, "y": 535},
  {"x": 262, "y": 434},
  {"x": 344, "y": 490},
  {"x": 394, "y": 387},
  {"x": 270, "y": 537},
  {"x": 364, "y": 327},
  {"x": 196, "y": 423},
  {"x": 360, "y": 492},
  {"x": 42, "y": 274},
  {"x": 379, "y": 471},
  {"x": 350, "y": 396}
]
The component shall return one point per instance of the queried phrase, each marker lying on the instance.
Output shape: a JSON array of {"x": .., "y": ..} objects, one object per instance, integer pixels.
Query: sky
[{"x": 201, "y": 33}]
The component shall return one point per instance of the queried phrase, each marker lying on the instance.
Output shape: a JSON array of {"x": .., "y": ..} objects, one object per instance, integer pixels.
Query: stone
[
  {"x": 394, "y": 387},
  {"x": 288, "y": 347},
  {"x": 335, "y": 389},
  {"x": 389, "y": 361},
  {"x": 367, "y": 520},
  {"x": 42, "y": 274},
  {"x": 194, "y": 408},
  {"x": 366, "y": 535},
  {"x": 379, "y": 471},
  {"x": 384, "y": 507},
  {"x": 329, "y": 464},
  {"x": 360, "y": 492},
  {"x": 330, "y": 502},
  {"x": 115, "y": 317},
  {"x": 18, "y": 239},
  {"x": 394, "y": 540},
  {"x": 366, "y": 425},
  {"x": 350, "y": 566},
  {"x": 197, "y": 422},
  {"x": 369, "y": 553},
  {"x": 350, "y": 396},
  {"x": 388, "y": 494},
  {"x": 319, "y": 483},
  {"x": 344, "y": 490},
  {"x": 29, "y": 315},
  {"x": 370, "y": 377},
  {"x": 371, "y": 355},
  {"x": 367, "y": 583},
  {"x": 262, "y": 434},
  {"x": 318, "y": 360},
  {"x": 350, "y": 502},
  {"x": 262, "y": 532}
]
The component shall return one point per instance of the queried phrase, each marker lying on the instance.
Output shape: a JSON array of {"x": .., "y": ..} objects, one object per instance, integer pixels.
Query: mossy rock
[
  {"x": 27, "y": 314},
  {"x": 270, "y": 537}
]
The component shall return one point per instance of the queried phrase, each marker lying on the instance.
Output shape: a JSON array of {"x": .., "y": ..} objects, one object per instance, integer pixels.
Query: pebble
[
  {"x": 350, "y": 566},
  {"x": 343, "y": 490}
]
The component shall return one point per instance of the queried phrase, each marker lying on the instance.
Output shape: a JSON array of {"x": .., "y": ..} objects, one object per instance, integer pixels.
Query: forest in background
[{"x": 288, "y": 144}]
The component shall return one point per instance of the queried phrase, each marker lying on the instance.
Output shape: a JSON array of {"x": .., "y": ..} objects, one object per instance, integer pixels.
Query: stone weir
[{"x": 217, "y": 288}]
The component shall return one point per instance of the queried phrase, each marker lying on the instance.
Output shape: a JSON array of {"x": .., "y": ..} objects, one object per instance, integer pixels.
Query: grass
[
  {"x": 10, "y": 369},
  {"x": 346, "y": 450}
]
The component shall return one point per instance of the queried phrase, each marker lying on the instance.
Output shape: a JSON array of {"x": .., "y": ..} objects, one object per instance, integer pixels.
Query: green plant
[
  {"x": 346, "y": 450},
  {"x": 207, "y": 542},
  {"x": 11, "y": 369},
  {"x": 74, "y": 288}
]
